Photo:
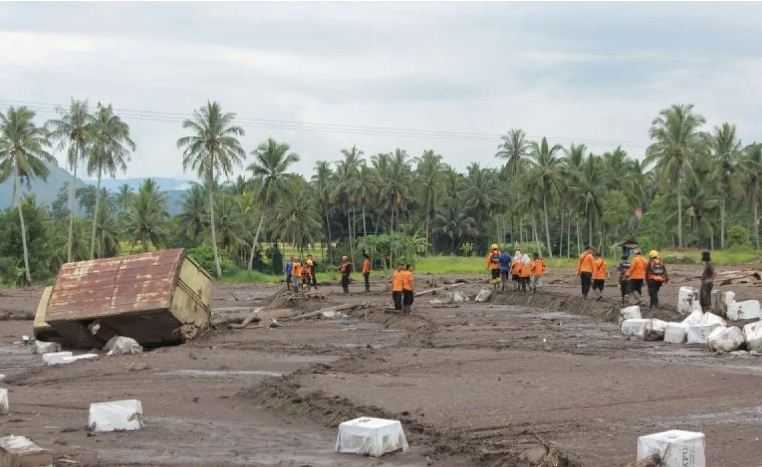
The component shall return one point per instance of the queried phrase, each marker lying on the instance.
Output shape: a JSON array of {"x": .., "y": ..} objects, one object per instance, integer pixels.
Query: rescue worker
[
  {"x": 493, "y": 264},
  {"x": 345, "y": 268},
  {"x": 505, "y": 268},
  {"x": 525, "y": 272},
  {"x": 313, "y": 271},
  {"x": 585, "y": 270},
  {"x": 296, "y": 274},
  {"x": 637, "y": 275},
  {"x": 398, "y": 287},
  {"x": 537, "y": 270},
  {"x": 623, "y": 268},
  {"x": 515, "y": 269},
  {"x": 366, "y": 267},
  {"x": 307, "y": 273},
  {"x": 408, "y": 289},
  {"x": 707, "y": 281},
  {"x": 288, "y": 269},
  {"x": 656, "y": 275},
  {"x": 600, "y": 274}
]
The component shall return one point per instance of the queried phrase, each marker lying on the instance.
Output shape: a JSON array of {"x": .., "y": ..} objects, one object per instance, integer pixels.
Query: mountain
[
  {"x": 45, "y": 190},
  {"x": 165, "y": 184}
]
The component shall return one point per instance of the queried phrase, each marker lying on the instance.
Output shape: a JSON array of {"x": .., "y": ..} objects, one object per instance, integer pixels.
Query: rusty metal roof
[{"x": 113, "y": 286}]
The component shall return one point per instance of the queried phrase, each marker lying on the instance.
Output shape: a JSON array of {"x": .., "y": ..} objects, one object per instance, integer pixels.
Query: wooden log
[{"x": 438, "y": 289}]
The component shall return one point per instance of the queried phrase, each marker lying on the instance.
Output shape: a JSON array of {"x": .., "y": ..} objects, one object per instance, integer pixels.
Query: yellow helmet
[
  {"x": 494, "y": 246},
  {"x": 653, "y": 254}
]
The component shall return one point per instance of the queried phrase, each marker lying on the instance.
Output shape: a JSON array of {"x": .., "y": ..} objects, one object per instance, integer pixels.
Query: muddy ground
[{"x": 476, "y": 385}]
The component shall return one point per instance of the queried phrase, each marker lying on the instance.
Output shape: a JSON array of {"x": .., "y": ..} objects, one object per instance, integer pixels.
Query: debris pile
[{"x": 21, "y": 451}]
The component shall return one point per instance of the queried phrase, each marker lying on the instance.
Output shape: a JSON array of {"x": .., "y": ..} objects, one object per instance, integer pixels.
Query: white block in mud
[
  {"x": 748, "y": 309},
  {"x": 41, "y": 347},
  {"x": 631, "y": 312},
  {"x": 676, "y": 448},
  {"x": 710, "y": 319},
  {"x": 698, "y": 333},
  {"x": 685, "y": 298},
  {"x": 675, "y": 333},
  {"x": 725, "y": 339},
  {"x": 5, "y": 405},
  {"x": 634, "y": 327},
  {"x": 484, "y": 295},
  {"x": 371, "y": 437},
  {"x": 56, "y": 358},
  {"x": 696, "y": 317},
  {"x": 19, "y": 451},
  {"x": 655, "y": 329},
  {"x": 752, "y": 333},
  {"x": 728, "y": 297},
  {"x": 124, "y": 415},
  {"x": 76, "y": 358}
]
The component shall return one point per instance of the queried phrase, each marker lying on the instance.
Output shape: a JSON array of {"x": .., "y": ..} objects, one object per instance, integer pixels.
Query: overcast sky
[{"x": 450, "y": 77}]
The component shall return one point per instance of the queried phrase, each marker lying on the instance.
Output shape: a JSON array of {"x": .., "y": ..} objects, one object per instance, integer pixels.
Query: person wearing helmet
[
  {"x": 493, "y": 264},
  {"x": 345, "y": 268},
  {"x": 707, "y": 281},
  {"x": 637, "y": 275},
  {"x": 656, "y": 276}
]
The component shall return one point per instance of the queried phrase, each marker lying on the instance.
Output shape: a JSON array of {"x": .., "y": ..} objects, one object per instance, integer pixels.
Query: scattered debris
[
  {"x": 725, "y": 340},
  {"x": 650, "y": 461},
  {"x": 749, "y": 309},
  {"x": 484, "y": 295},
  {"x": 41, "y": 347},
  {"x": 120, "y": 345},
  {"x": 686, "y": 296},
  {"x": 323, "y": 311},
  {"x": 55, "y": 358},
  {"x": 438, "y": 289},
  {"x": 5, "y": 405},
  {"x": 371, "y": 437},
  {"x": 747, "y": 276},
  {"x": 654, "y": 330},
  {"x": 23, "y": 452},
  {"x": 126, "y": 415},
  {"x": 630, "y": 312},
  {"x": 753, "y": 335},
  {"x": 675, "y": 448}
]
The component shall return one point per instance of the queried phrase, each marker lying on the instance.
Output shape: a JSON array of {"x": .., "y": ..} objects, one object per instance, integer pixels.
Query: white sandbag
[
  {"x": 458, "y": 297},
  {"x": 752, "y": 333},
  {"x": 655, "y": 329},
  {"x": 748, "y": 309},
  {"x": 76, "y": 358},
  {"x": 5, "y": 405},
  {"x": 120, "y": 345},
  {"x": 55, "y": 358},
  {"x": 124, "y": 415},
  {"x": 725, "y": 339},
  {"x": 371, "y": 437},
  {"x": 675, "y": 448},
  {"x": 675, "y": 333},
  {"x": 21, "y": 451},
  {"x": 634, "y": 327},
  {"x": 728, "y": 297},
  {"x": 631, "y": 312},
  {"x": 41, "y": 347},
  {"x": 696, "y": 317},
  {"x": 698, "y": 333},
  {"x": 710, "y": 319},
  {"x": 483, "y": 296},
  {"x": 685, "y": 298}
]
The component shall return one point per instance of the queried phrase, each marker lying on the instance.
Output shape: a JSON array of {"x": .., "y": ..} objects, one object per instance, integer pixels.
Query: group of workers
[
  {"x": 525, "y": 273},
  {"x": 634, "y": 273},
  {"x": 301, "y": 275}
]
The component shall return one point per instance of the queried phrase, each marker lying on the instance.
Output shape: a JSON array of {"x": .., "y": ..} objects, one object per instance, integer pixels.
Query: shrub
[{"x": 738, "y": 236}]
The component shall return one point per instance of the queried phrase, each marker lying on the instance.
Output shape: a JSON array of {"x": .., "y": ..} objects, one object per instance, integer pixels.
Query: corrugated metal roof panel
[{"x": 113, "y": 286}]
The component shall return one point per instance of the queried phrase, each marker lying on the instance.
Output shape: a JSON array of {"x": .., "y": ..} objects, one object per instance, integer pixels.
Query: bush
[
  {"x": 738, "y": 236},
  {"x": 204, "y": 256},
  {"x": 277, "y": 260}
]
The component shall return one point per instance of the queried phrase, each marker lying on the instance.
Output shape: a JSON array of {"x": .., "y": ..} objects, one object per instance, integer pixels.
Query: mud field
[{"x": 474, "y": 385}]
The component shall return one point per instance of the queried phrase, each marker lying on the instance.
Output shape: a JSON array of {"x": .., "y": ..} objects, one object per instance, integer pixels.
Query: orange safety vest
[
  {"x": 585, "y": 263},
  {"x": 366, "y": 266},
  {"x": 538, "y": 267},
  {"x": 297, "y": 271},
  {"x": 656, "y": 271},
  {"x": 493, "y": 260},
  {"x": 638, "y": 268},
  {"x": 398, "y": 281},
  {"x": 407, "y": 280},
  {"x": 599, "y": 269},
  {"x": 525, "y": 270}
]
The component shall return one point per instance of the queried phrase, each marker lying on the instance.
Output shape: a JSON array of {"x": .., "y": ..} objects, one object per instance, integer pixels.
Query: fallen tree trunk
[
  {"x": 438, "y": 289},
  {"x": 334, "y": 309}
]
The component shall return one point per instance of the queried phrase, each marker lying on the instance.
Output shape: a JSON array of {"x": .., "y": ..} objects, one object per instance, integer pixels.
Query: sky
[{"x": 451, "y": 77}]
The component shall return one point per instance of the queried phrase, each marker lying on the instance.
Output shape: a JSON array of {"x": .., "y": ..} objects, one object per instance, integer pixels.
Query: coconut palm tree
[
  {"x": 272, "y": 161},
  {"x": 429, "y": 181},
  {"x": 348, "y": 185},
  {"x": 726, "y": 151},
  {"x": 73, "y": 131},
  {"x": 111, "y": 147},
  {"x": 590, "y": 184},
  {"x": 453, "y": 223},
  {"x": 514, "y": 149},
  {"x": 211, "y": 149},
  {"x": 752, "y": 170},
  {"x": 297, "y": 218},
  {"x": 394, "y": 175},
  {"x": 22, "y": 157},
  {"x": 676, "y": 140},
  {"x": 546, "y": 172},
  {"x": 323, "y": 180},
  {"x": 147, "y": 216}
]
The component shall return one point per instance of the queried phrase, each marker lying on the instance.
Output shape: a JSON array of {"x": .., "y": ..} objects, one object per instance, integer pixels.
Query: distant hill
[{"x": 165, "y": 184}]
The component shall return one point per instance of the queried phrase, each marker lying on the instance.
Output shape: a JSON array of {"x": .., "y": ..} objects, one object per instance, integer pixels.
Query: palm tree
[
  {"x": 547, "y": 171},
  {"x": 676, "y": 140},
  {"x": 193, "y": 216},
  {"x": 148, "y": 216},
  {"x": 23, "y": 157},
  {"x": 73, "y": 132},
  {"x": 752, "y": 169},
  {"x": 726, "y": 151},
  {"x": 430, "y": 178},
  {"x": 514, "y": 149},
  {"x": 212, "y": 148},
  {"x": 323, "y": 180},
  {"x": 348, "y": 186},
  {"x": 394, "y": 176},
  {"x": 296, "y": 218},
  {"x": 271, "y": 163},
  {"x": 124, "y": 198},
  {"x": 455, "y": 224},
  {"x": 111, "y": 146},
  {"x": 590, "y": 184}
]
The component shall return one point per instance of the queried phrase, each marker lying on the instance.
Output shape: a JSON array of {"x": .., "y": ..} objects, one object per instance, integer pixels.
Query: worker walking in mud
[
  {"x": 707, "y": 281},
  {"x": 537, "y": 270},
  {"x": 493, "y": 264},
  {"x": 288, "y": 269},
  {"x": 600, "y": 274},
  {"x": 345, "y": 268},
  {"x": 515, "y": 269},
  {"x": 408, "y": 289},
  {"x": 505, "y": 269},
  {"x": 297, "y": 270},
  {"x": 398, "y": 287},
  {"x": 624, "y": 280},
  {"x": 311, "y": 268},
  {"x": 656, "y": 275},
  {"x": 366, "y": 267},
  {"x": 585, "y": 270},
  {"x": 637, "y": 275},
  {"x": 525, "y": 273}
]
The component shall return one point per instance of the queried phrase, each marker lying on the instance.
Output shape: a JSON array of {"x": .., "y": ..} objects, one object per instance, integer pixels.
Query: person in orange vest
[
  {"x": 538, "y": 271},
  {"x": 637, "y": 275},
  {"x": 525, "y": 272},
  {"x": 296, "y": 274},
  {"x": 600, "y": 274},
  {"x": 493, "y": 264},
  {"x": 408, "y": 289},
  {"x": 398, "y": 286},
  {"x": 312, "y": 268},
  {"x": 656, "y": 276},
  {"x": 585, "y": 270},
  {"x": 366, "y": 267},
  {"x": 515, "y": 267}
]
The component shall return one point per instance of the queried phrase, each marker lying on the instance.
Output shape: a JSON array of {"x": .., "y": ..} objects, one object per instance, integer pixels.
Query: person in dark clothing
[
  {"x": 346, "y": 273},
  {"x": 624, "y": 280},
  {"x": 656, "y": 276},
  {"x": 707, "y": 281},
  {"x": 505, "y": 268}
]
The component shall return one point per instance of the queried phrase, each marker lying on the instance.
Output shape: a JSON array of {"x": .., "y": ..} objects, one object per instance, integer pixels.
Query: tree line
[{"x": 692, "y": 188}]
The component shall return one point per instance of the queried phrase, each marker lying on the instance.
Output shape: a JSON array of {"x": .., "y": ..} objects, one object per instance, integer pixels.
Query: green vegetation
[{"x": 692, "y": 189}]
